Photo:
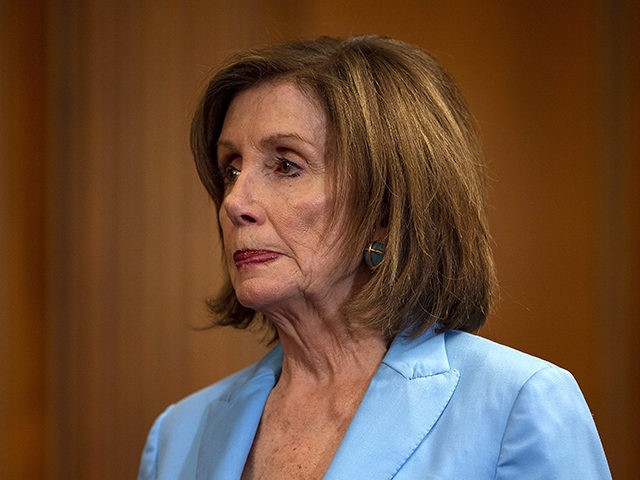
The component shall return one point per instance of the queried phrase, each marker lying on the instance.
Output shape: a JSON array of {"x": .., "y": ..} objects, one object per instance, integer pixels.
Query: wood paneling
[
  {"x": 134, "y": 255},
  {"x": 95, "y": 161},
  {"x": 22, "y": 249}
]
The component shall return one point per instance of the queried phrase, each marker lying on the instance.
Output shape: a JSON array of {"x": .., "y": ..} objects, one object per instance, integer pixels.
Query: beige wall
[{"x": 107, "y": 240}]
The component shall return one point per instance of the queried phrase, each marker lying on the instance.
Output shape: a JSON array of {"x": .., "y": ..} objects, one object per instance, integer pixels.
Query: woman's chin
[{"x": 259, "y": 295}]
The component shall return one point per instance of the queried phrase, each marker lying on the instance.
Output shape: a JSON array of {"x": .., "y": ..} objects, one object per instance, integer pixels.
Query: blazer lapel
[
  {"x": 406, "y": 397},
  {"x": 231, "y": 422}
]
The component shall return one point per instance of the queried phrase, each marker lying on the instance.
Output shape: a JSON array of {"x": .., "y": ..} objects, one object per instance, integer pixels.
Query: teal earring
[{"x": 374, "y": 254}]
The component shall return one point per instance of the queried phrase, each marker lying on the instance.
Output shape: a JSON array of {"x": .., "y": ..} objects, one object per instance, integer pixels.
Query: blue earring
[{"x": 374, "y": 254}]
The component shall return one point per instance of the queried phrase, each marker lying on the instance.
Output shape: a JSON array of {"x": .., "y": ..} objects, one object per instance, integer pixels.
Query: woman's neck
[{"x": 319, "y": 352}]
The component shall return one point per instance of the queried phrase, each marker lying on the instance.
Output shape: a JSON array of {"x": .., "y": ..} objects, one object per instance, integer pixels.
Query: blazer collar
[
  {"x": 406, "y": 397},
  {"x": 231, "y": 421}
]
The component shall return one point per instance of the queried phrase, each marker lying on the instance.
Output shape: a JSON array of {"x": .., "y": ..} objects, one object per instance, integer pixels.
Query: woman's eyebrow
[
  {"x": 226, "y": 144},
  {"x": 270, "y": 142},
  {"x": 276, "y": 138}
]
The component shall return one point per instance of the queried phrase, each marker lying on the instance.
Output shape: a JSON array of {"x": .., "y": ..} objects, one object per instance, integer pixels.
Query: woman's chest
[{"x": 297, "y": 442}]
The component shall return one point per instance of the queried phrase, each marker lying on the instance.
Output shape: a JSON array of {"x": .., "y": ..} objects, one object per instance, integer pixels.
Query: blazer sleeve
[
  {"x": 149, "y": 462},
  {"x": 550, "y": 433}
]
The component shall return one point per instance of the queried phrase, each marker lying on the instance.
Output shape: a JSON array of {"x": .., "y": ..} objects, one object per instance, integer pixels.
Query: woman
[{"x": 315, "y": 152}]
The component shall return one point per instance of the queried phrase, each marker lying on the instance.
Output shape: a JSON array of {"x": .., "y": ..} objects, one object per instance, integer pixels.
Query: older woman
[{"x": 315, "y": 152}]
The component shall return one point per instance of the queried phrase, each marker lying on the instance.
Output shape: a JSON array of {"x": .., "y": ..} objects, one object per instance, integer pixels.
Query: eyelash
[{"x": 286, "y": 168}]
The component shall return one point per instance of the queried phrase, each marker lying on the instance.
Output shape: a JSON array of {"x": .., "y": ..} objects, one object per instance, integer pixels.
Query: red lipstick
[{"x": 244, "y": 258}]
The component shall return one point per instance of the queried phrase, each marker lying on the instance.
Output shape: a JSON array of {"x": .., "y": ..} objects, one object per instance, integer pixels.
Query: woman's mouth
[{"x": 245, "y": 258}]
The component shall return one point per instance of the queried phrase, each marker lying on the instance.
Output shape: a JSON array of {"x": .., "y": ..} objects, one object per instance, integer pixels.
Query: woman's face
[{"x": 272, "y": 152}]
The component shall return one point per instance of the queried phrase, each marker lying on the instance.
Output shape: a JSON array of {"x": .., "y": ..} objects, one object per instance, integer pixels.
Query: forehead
[{"x": 274, "y": 108}]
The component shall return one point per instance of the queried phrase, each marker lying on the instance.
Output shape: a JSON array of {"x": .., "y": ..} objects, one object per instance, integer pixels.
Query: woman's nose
[{"x": 241, "y": 201}]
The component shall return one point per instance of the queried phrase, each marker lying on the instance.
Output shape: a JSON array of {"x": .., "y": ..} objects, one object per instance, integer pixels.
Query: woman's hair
[{"x": 405, "y": 159}]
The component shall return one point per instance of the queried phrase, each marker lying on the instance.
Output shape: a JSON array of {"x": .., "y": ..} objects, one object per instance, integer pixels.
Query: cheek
[
  {"x": 304, "y": 222},
  {"x": 314, "y": 212}
]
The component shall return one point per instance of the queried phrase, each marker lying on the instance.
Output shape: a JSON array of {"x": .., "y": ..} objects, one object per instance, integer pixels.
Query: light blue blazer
[{"x": 442, "y": 406}]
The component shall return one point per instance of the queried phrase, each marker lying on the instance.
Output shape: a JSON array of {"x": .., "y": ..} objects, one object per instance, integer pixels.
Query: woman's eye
[
  {"x": 230, "y": 174},
  {"x": 287, "y": 167}
]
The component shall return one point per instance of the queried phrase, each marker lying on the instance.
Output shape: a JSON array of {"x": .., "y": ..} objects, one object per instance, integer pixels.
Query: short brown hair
[{"x": 406, "y": 157}]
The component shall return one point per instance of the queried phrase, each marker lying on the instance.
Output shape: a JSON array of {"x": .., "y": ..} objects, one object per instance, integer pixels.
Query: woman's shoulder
[
  {"x": 225, "y": 388},
  {"x": 177, "y": 429},
  {"x": 187, "y": 413},
  {"x": 542, "y": 421},
  {"x": 484, "y": 361},
  {"x": 467, "y": 346},
  {"x": 200, "y": 399}
]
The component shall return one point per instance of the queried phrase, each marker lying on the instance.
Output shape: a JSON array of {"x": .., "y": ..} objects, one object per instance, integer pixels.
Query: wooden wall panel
[
  {"x": 619, "y": 229},
  {"x": 129, "y": 251},
  {"x": 133, "y": 256},
  {"x": 22, "y": 249}
]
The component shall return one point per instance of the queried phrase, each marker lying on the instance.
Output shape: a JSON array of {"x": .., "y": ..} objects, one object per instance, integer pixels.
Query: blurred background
[{"x": 108, "y": 242}]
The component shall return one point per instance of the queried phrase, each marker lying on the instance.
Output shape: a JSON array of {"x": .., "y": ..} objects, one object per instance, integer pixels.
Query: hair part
[{"x": 405, "y": 158}]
